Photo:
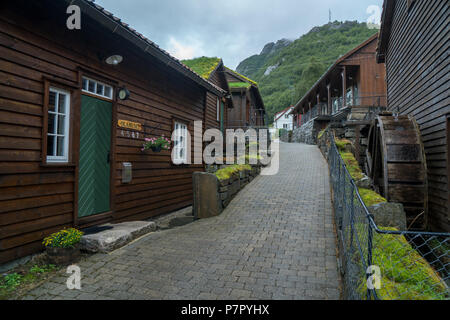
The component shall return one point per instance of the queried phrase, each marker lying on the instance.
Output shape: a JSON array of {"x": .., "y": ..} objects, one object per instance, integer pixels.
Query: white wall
[{"x": 289, "y": 121}]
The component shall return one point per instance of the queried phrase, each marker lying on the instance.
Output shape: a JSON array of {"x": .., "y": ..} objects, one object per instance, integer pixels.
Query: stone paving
[{"x": 275, "y": 240}]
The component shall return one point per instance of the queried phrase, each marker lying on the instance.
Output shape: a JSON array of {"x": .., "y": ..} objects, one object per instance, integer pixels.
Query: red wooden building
[
  {"x": 355, "y": 81},
  {"x": 75, "y": 107}
]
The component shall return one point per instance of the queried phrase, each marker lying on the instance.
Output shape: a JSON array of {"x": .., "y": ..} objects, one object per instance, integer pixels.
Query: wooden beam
[
  {"x": 344, "y": 87},
  {"x": 329, "y": 99}
]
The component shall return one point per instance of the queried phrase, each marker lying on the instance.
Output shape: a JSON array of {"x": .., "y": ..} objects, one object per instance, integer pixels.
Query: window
[
  {"x": 285, "y": 126},
  {"x": 58, "y": 125},
  {"x": 286, "y": 116},
  {"x": 180, "y": 143},
  {"x": 218, "y": 109},
  {"x": 97, "y": 88}
]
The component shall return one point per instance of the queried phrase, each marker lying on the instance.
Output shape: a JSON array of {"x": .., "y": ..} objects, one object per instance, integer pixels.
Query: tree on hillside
[{"x": 310, "y": 75}]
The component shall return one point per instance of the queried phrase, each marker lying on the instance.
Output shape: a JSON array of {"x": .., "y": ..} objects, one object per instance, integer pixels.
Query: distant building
[
  {"x": 284, "y": 120},
  {"x": 248, "y": 107}
]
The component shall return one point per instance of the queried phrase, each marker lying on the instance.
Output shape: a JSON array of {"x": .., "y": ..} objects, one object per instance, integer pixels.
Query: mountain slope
[{"x": 285, "y": 70}]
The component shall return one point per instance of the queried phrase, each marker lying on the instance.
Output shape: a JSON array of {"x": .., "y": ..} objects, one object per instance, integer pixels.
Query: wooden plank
[
  {"x": 15, "y": 217},
  {"x": 28, "y": 203},
  {"x": 406, "y": 172}
]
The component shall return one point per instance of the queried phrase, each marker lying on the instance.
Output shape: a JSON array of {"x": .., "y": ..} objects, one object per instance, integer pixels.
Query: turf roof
[
  {"x": 204, "y": 66},
  {"x": 245, "y": 85},
  {"x": 244, "y": 77}
]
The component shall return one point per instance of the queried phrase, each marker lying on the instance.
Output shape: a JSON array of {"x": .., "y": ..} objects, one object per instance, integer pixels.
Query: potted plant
[
  {"x": 62, "y": 247},
  {"x": 156, "y": 144}
]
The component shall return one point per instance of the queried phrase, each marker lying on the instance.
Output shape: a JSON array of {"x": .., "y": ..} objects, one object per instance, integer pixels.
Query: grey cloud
[{"x": 233, "y": 29}]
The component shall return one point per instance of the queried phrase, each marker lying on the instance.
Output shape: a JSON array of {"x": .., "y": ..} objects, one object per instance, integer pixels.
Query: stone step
[{"x": 114, "y": 236}]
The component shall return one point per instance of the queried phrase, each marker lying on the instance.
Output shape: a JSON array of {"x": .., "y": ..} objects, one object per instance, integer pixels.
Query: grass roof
[
  {"x": 245, "y": 85},
  {"x": 244, "y": 77},
  {"x": 204, "y": 66}
]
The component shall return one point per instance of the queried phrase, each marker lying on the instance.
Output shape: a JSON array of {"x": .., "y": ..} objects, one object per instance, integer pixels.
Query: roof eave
[
  {"x": 385, "y": 30},
  {"x": 97, "y": 13}
]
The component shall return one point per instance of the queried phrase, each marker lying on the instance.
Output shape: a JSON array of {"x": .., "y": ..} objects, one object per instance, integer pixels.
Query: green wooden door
[{"x": 94, "y": 163}]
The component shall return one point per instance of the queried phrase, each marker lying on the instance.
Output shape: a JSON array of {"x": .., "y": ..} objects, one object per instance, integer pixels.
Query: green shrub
[{"x": 66, "y": 238}]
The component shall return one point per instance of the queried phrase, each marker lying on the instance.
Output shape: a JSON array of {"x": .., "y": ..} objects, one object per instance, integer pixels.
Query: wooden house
[
  {"x": 284, "y": 119},
  {"x": 355, "y": 82},
  {"x": 248, "y": 110},
  {"x": 414, "y": 46},
  {"x": 75, "y": 107},
  {"x": 216, "y": 111}
]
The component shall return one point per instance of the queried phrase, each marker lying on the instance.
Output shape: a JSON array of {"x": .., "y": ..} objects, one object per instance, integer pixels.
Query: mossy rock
[
  {"x": 232, "y": 172},
  {"x": 352, "y": 165},
  {"x": 370, "y": 197}
]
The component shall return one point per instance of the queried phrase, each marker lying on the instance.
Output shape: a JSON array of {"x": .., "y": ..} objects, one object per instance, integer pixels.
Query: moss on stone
[
  {"x": 406, "y": 275},
  {"x": 342, "y": 143},
  {"x": 229, "y": 171},
  {"x": 370, "y": 197},
  {"x": 321, "y": 133},
  {"x": 352, "y": 165}
]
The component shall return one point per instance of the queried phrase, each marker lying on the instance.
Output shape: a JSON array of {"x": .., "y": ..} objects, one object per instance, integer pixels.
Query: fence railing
[{"x": 408, "y": 265}]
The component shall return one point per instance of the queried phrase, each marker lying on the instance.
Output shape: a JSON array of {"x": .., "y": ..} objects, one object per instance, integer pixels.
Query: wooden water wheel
[{"x": 395, "y": 160}]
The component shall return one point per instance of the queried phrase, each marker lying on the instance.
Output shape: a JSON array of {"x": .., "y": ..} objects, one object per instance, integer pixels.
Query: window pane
[
  {"x": 61, "y": 124},
  {"x": 181, "y": 153},
  {"x": 91, "y": 87},
  {"x": 108, "y": 92},
  {"x": 99, "y": 89},
  {"x": 60, "y": 146},
  {"x": 51, "y": 101},
  {"x": 62, "y": 103},
  {"x": 50, "y": 145},
  {"x": 85, "y": 84},
  {"x": 51, "y": 123}
]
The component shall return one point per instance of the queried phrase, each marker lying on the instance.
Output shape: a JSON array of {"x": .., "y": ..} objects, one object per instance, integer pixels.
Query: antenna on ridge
[{"x": 329, "y": 15}]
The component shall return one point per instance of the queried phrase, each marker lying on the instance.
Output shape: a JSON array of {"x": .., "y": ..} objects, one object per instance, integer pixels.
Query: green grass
[
  {"x": 204, "y": 66},
  {"x": 321, "y": 133},
  {"x": 13, "y": 282},
  {"x": 228, "y": 172},
  {"x": 352, "y": 165},
  {"x": 370, "y": 197},
  {"x": 244, "y": 77},
  {"x": 406, "y": 275},
  {"x": 244, "y": 85}
]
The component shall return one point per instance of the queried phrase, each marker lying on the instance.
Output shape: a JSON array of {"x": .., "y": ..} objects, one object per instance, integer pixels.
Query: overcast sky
[{"x": 231, "y": 29}]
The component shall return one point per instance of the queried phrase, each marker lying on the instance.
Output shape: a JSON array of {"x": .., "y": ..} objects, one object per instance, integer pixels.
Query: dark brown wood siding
[
  {"x": 418, "y": 69},
  {"x": 36, "y": 200}
]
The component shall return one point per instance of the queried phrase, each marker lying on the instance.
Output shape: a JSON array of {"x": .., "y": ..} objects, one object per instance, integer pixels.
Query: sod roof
[
  {"x": 204, "y": 66},
  {"x": 243, "y": 77}
]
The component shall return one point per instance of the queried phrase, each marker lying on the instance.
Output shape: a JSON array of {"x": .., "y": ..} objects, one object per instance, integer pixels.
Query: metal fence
[{"x": 409, "y": 265}]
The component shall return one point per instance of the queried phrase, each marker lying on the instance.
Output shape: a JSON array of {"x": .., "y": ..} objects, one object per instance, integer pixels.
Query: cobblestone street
[{"x": 274, "y": 241}]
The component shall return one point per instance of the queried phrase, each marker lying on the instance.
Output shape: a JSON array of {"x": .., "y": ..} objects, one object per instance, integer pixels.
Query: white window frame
[
  {"x": 85, "y": 88},
  {"x": 181, "y": 131},
  {"x": 65, "y": 157}
]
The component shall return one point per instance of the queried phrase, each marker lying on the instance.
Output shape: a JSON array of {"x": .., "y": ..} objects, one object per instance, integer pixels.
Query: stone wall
[
  {"x": 286, "y": 136},
  {"x": 307, "y": 133},
  {"x": 212, "y": 196}
]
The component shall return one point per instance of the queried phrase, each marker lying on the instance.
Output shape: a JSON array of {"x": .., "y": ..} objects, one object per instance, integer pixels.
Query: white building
[{"x": 284, "y": 120}]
